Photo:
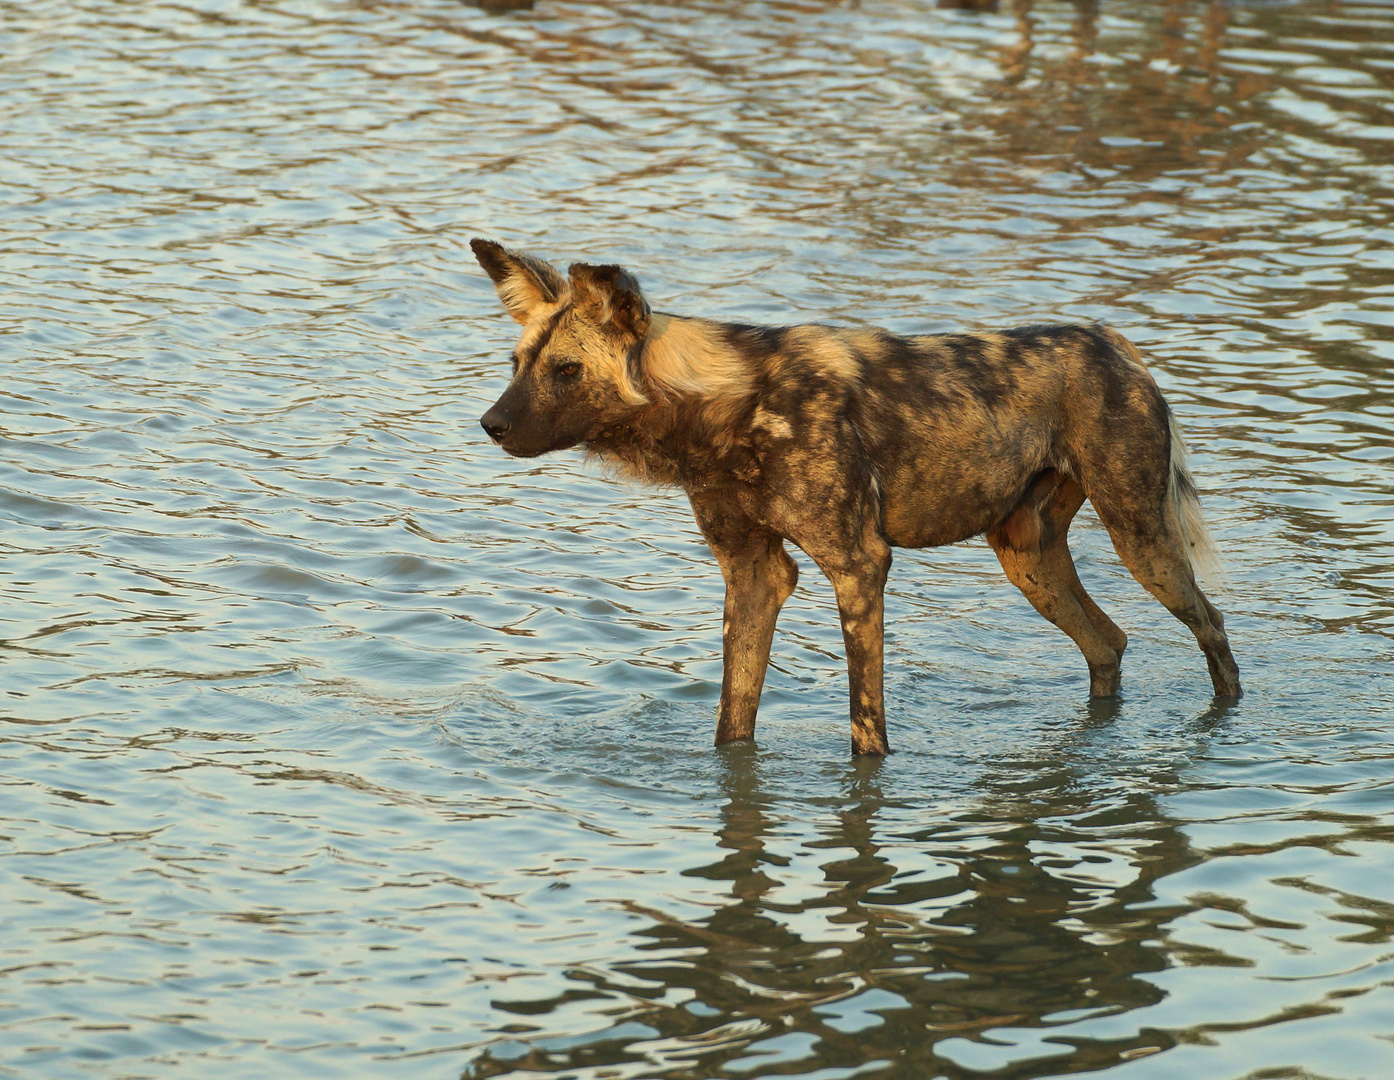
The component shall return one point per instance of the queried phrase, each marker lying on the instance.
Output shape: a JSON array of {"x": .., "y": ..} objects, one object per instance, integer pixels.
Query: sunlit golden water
[{"x": 338, "y": 744}]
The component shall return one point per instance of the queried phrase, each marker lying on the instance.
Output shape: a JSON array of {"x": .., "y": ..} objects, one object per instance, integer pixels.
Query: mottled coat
[{"x": 848, "y": 442}]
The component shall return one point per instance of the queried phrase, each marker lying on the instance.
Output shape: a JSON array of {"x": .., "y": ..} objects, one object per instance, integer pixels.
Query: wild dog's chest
[
  {"x": 742, "y": 459},
  {"x": 738, "y": 464},
  {"x": 740, "y": 452},
  {"x": 732, "y": 461}
]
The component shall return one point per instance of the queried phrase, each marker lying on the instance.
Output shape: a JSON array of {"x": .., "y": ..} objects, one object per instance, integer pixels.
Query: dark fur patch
[
  {"x": 754, "y": 344},
  {"x": 499, "y": 263},
  {"x": 536, "y": 347}
]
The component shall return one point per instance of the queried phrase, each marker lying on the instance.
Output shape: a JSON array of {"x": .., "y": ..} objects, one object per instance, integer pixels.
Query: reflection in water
[
  {"x": 1027, "y": 933},
  {"x": 334, "y": 742},
  {"x": 497, "y": 6},
  {"x": 1035, "y": 911},
  {"x": 1176, "y": 101},
  {"x": 1017, "y": 55}
]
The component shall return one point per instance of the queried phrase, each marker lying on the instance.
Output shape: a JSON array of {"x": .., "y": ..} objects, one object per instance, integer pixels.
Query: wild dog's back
[
  {"x": 959, "y": 423},
  {"x": 956, "y": 425}
]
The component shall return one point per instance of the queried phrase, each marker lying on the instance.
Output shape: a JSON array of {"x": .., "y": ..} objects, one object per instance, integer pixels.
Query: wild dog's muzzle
[
  {"x": 495, "y": 423},
  {"x": 519, "y": 431}
]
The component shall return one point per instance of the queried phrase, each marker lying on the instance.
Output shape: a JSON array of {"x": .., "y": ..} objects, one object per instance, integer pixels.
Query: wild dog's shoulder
[{"x": 805, "y": 377}]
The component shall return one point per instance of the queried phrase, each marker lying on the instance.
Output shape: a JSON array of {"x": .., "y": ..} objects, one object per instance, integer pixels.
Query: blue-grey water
[{"x": 336, "y": 743}]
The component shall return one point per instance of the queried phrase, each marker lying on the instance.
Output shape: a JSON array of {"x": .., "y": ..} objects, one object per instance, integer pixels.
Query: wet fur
[{"x": 848, "y": 442}]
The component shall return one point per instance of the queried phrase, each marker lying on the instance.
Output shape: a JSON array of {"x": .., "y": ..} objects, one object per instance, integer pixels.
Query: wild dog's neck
[
  {"x": 685, "y": 359},
  {"x": 697, "y": 383}
]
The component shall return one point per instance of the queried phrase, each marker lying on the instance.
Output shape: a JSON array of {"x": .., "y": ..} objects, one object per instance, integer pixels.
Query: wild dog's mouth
[
  {"x": 522, "y": 451},
  {"x": 499, "y": 435}
]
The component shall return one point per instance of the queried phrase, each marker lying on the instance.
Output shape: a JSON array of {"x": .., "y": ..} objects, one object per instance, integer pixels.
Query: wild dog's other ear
[
  {"x": 609, "y": 296},
  {"x": 523, "y": 282}
]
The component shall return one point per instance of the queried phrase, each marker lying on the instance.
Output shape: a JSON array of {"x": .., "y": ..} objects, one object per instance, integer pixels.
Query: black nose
[{"x": 493, "y": 427}]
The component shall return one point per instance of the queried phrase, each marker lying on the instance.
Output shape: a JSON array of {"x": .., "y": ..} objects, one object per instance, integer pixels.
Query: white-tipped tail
[{"x": 1185, "y": 505}]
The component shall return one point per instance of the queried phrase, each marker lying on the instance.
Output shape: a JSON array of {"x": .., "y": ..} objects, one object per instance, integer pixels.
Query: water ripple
[{"x": 333, "y": 740}]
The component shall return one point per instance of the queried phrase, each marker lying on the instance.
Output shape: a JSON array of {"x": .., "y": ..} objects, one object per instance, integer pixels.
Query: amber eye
[{"x": 569, "y": 369}]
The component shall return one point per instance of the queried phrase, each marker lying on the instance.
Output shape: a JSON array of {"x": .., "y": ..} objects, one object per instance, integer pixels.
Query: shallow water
[{"x": 338, "y": 744}]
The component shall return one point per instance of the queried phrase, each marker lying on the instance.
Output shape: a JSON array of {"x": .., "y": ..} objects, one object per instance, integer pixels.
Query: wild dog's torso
[{"x": 946, "y": 430}]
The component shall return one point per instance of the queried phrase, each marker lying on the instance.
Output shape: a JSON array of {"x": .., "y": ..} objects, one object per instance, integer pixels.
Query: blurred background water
[{"x": 336, "y": 743}]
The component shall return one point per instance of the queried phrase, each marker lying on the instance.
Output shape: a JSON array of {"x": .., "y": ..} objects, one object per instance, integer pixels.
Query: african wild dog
[{"x": 848, "y": 442}]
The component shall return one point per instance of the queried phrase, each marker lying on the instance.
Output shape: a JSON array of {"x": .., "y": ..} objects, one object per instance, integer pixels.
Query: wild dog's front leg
[
  {"x": 860, "y": 584},
  {"x": 759, "y": 578},
  {"x": 830, "y": 506}
]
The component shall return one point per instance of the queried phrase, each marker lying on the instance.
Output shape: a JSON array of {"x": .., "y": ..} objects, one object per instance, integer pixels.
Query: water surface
[{"x": 335, "y": 743}]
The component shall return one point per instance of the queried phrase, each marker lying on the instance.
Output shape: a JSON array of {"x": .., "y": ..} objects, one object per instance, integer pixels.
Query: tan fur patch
[
  {"x": 1022, "y": 529},
  {"x": 824, "y": 352},
  {"x": 778, "y": 426},
  {"x": 524, "y": 300},
  {"x": 687, "y": 358},
  {"x": 869, "y": 343},
  {"x": 994, "y": 348},
  {"x": 533, "y": 328}
]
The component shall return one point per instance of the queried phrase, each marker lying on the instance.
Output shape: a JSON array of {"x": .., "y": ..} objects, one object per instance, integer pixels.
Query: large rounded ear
[
  {"x": 610, "y": 297},
  {"x": 523, "y": 282}
]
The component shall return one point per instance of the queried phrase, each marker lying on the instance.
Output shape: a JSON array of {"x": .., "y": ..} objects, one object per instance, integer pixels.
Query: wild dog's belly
[
  {"x": 929, "y": 514},
  {"x": 934, "y": 498}
]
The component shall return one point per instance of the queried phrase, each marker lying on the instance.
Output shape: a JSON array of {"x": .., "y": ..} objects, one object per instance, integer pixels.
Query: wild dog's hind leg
[
  {"x": 1059, "y": 511},
  {"x": 1032, "y": 548},
  {"x": 1156, "y": 555},
  {"x": 759, "y": 578},
  {"x": 1132, "y": 464}
]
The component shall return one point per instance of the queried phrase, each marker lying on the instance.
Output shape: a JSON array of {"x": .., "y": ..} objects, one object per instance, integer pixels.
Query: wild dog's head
[{"x": 574, "y": 367}]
